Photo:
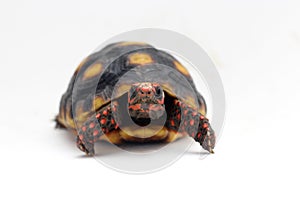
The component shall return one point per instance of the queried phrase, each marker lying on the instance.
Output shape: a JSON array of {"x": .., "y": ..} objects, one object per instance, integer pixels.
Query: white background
[{"x": 256, "y": 47}]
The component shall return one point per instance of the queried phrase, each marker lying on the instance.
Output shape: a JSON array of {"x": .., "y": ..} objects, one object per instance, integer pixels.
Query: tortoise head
[{"x": 146, "y": 101}]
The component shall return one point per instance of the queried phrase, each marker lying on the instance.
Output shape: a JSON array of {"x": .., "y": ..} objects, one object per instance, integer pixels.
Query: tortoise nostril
[{"x": 149, "y": 92}]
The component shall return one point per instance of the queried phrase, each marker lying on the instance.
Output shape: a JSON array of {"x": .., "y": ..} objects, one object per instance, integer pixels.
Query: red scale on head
[
  {"x": 146, "y": 100},
  {"x": 145, "y": 89},
  {"x": 98, "y": 115},
  {"x": 83, "y": 128}
]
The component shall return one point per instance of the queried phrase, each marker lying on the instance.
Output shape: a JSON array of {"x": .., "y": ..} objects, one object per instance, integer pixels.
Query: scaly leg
[
  {"x": 184, "y": 119},
  {"x": 100, "y": 123}
]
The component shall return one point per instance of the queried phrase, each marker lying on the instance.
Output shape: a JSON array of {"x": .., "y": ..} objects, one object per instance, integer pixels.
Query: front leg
[
  {"x": 184, "y": 119},
  {"x": 100, "y": 123}
]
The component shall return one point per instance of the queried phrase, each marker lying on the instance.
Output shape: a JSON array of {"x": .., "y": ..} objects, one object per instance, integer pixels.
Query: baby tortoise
[{"x": 152, "y": 104}]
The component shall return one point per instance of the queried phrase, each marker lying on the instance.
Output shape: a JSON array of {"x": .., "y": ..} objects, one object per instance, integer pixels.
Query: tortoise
[{"x": 133, "y": 92}]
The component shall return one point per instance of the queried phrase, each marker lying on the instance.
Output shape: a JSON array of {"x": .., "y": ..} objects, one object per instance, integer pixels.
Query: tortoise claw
[
  {"x": 208, "y": 142},
  {"x": 88, "y": 148},
  {"x": 90, "y": 153}
]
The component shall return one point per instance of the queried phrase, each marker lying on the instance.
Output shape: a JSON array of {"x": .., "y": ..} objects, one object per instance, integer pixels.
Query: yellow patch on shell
[
  {"x": 181, "y": 68},
  {"x": 202, "y": 110},
  {"x": 131, "y": 43},
  {"x": 160, "y": 135},
  {"x": 81, "y": 64},
  {"x": 92, "y": 71},
  {"x": 80, "y": 114},
  {"x": 167, "y": 87},
  {"x": 140, "y": 59},
  {"x": 172, "y": 136},
  {"x": 98, "y": 102},
  {"x": 122, "y": 89},
  {"x": 191, "y": 101},
  {"x": 143, "y": 134},
  {"x": 112, "y": 137}
]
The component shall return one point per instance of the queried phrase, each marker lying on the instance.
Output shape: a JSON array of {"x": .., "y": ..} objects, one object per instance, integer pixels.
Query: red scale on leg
[
  {"x": 105, "y": 112},
  {"x": 103, "y": 121},
  {"x": 185, "y": 112},
  {"x": 198, "y": 135},
  {"x": 192, "y": 122},
  {"x": 92, "y": 125},
  {"x": 172, "y": 122},
  {"x": 95, "y": 132},
  {"x": 188, "y": 119}
]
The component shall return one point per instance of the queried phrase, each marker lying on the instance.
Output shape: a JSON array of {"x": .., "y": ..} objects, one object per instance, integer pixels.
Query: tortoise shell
[{"x": 107, "y": 74}]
